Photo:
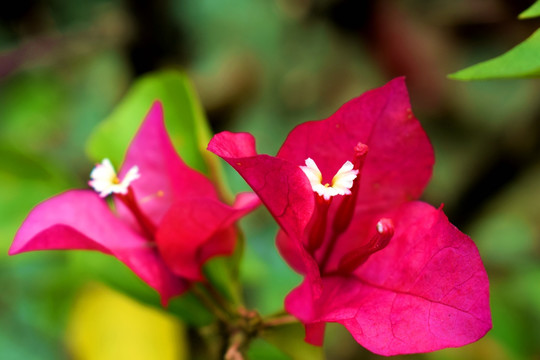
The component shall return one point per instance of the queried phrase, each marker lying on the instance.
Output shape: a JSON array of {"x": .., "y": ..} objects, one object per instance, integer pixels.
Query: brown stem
[
  {"x": 237, "y": 345},
  {"x": 279, "y": 320}
]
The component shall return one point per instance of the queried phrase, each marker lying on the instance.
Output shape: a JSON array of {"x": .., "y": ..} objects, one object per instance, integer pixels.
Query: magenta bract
[
  {"x": 394, "y": 271},
  {"x": 155, "y": 228}
]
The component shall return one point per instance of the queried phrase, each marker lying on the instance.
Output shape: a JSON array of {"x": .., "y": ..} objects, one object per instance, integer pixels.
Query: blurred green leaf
[
  {"x": 485, "y": 348},
  {"x": 510, "y": 325},
  {"x": 504, "y": 239},
  {"x": 526, "y": 289},
  {"x": 523, "y": 61},
  {"x": 184, "y": 119},
  {"x": 33, "y": 316},
  {"x": 262, "y": 265},
  {"x": 32, "y": 112},
  {"x": 531, "y": 12},
  {"x": 25, "y": 178},
  {"x": 261, "y": 350},
  {"x": 222, "y": 272},
  {"x": 290, "y": 339},
  {"x": 96, "y": 266}
]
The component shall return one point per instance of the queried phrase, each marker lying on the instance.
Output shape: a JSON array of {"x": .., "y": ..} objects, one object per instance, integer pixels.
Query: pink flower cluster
[{"x": 392, "y": 269}]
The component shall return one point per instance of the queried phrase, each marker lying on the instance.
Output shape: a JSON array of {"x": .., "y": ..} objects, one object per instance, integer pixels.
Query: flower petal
[
  {"x": 196, "y": 229},
  {"x": 80, "y": 219},
  {"x": 281, "y": 186},
  {"x": 300, "y": 260},
  {"x": 164, "y": 177},
  {"x": 400, "y": 158},
  {"x": 425, "y": 291},
  {"x": 315, "y": 333}
]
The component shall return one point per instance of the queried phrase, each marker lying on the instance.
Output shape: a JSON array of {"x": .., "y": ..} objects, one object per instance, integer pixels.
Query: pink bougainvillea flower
[
  {"x": 168, "y": 219},
  {"x": 393, "y": 270}
]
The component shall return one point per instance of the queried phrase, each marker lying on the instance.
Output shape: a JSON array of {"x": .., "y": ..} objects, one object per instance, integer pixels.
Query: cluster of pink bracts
[{"x": 393, "y": 270}]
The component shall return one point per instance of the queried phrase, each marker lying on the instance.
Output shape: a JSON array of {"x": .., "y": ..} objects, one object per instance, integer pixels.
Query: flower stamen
[
  {"x": 105, "y": 181},
  {"x": 342, "y": 182}
]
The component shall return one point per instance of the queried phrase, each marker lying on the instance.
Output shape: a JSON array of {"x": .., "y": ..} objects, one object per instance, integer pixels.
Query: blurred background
[{"x": 262, "y": 66}]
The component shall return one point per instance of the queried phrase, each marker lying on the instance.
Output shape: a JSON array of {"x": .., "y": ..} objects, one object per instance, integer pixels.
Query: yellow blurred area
[{"x": 107, "y": 325}]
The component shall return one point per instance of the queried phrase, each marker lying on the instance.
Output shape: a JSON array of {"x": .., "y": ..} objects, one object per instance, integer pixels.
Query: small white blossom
[
  {"x": 105, "y": 181},
  {"x": 342, "y": 182}
]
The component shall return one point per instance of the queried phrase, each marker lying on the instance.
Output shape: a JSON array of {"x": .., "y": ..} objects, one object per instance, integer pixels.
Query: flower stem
[
  {"x": 279, "y": 320},
  {"x": 238, "y": 342},
  {"x": 218, "y": 297},
  {"x": 210, "y": 304}
]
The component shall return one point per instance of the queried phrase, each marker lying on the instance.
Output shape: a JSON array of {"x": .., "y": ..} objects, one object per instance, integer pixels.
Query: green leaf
[
  {"x": 513, "y": 326},
  {"x": 523, "y": 61},
  {"x": 504, "y": 239},
  {"x": 531, "y": 12},
  {"x": 222, "y": 272},
  {"x": 184, "y": 119},
  {"x": 290, "y": 340},
  {"x": 261, "y": 350}
]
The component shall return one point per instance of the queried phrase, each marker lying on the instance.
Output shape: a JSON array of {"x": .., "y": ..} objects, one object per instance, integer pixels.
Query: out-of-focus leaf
[
  {"x": 522, "y": 61},
  {"x": 106, "y": 325},
  {"x": 290, "y": 340},
  {"x": 24, "y": 178},
  {"x": 506, "y": 234},
  {"x": 265, "y": 275},
  {"x": 261, "y": 350},
  {"x": 504, "y": 239},
  {"x": 485, "y": 348},
  {"x": 184, "y": 119},
  {"x": 95, "y": 98},
  {"x": 526, "y": 290},
  {"x": 509, "y": 328},
  {"x": 32, "y": 318},
  {"x": 222, "y": 272},
  {"x": 531, "y": 12},
  {"x": 32, "y": 111},
  {"x": 107, "y": 269}
]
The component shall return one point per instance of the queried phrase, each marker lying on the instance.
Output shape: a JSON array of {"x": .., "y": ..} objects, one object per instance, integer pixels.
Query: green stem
[
  {"x": 279, "y": 321},
  {"x": 218, "y": 298},
  {"x": 210, "y": 304}
]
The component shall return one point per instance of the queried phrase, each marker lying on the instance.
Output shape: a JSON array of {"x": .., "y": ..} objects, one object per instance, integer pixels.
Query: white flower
[
  {"x": 342, "y": 182},
  {"x": 105, "y": 181}
]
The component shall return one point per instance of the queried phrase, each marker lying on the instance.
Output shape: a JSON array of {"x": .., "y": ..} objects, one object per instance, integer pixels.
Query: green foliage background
[{"x": 263, "y": 67}]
